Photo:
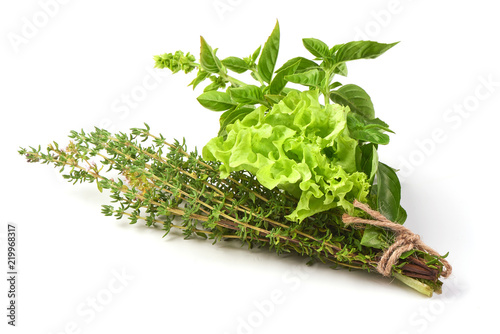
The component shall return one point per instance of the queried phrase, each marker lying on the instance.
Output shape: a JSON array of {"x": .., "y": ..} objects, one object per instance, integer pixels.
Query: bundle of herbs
[{"x": 296, "y": 171}]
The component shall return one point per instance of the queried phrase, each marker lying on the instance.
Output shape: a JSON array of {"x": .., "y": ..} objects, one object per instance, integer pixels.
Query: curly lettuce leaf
[{"x": 299, "y": 146}]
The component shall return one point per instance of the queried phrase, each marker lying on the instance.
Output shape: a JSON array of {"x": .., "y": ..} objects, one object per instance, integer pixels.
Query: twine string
[{"x": 405, "y": 240}]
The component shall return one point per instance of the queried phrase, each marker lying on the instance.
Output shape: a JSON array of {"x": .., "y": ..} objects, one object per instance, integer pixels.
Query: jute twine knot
[{"x": 405, "y": 240}]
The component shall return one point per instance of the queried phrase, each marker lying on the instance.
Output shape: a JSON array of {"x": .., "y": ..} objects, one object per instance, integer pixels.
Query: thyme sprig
[{"x": 162, "y": 184}]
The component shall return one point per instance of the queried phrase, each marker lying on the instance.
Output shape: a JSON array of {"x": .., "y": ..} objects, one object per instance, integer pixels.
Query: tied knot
[
  {"x": 405, "y": 240},
  {"x": 409, "y": 238}
]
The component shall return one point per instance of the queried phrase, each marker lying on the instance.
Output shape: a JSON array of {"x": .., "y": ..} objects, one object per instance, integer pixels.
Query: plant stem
[{"x": 415, "y": 284}]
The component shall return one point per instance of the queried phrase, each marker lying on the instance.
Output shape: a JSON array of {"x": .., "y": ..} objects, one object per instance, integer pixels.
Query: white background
[{"x": 72, "y": 71}]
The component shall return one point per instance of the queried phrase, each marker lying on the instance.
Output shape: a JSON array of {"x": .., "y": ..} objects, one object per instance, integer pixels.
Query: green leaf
[
  {"x": 292, "y": 66},
  {"x": 355, "y": 98},
  {"x": 201, "y": 234},
  {"x": 216, "y": 101},
  {"x": 388, "y": 192},
  {"x": 279, "y": 81},
  {"x": 335, "y": 48},
  {"x": 201, "y": 76},
  {"x": 311, "y": 78},
  {"x": 287, "y": 90},
  {"x": 367, "y": 130},
  {"x": 208, "y": 60},
  {"x": 361, "y": 50},
  {"x": 256, "y": 54},
  {"x": 99, "y": 186},
  {"x": 402, "y": 215},
  {"x": 269, "y": 55},
  {"x": 273, "y": 98},
  {"x": 371, "y": 135},
  {"x": 231, "y": 116},
  {"x": 407, "y": 254},
  {"x": 341, "y": 69},
  {"x": 368, "y": 163},
  {"x": 304, "y": 65},
  {"x": 248, "y": 94},
  {"x": 211, "y": 87},
  {"x": 378, "y": 123},
  {"x": 316, "y": 47},
  {"x": 335, "y": 85},
  {"x": 251, "y": 195},
  {"x": 235, "y": 64},
  {"x": 373, "y": 237}
]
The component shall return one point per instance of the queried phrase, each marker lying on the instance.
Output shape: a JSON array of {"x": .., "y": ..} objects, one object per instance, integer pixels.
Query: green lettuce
[{"x": 299, "y": 146}]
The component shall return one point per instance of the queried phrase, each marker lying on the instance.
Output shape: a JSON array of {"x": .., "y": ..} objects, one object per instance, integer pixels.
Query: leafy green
[
  {"x": 311, "y": 78},
  {"x": 298, "y": 146},
  {"x": 340, "y": 69},
  {"x": 216, "y": 101},
  {"x": 235, "y": 64},
  {"x": 208, "y": 59},
  {"x": 316, "y": 47},
  {"x": 374, "y": 237},
  {"x": 355, "y": 98},
  {"x": 368, "y": 160},
  {"x": 269, "y": 55},
  {"x": 279, "y": 82},
  {"x": 200, "y": 77},
  {"x": 389, "y": 194},
  {"x": 361, "y": 50},
  {"x": 248, "y": 94},
  {"x": 372, "y": 131},
  {"x": 304, "y": 64},
  {"x": 255, "y": 54},
  {"x": 231, "y": 116}
]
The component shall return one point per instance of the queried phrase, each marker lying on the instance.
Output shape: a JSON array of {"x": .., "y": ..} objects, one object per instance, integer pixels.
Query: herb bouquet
[{"x": 293, "y": 170}]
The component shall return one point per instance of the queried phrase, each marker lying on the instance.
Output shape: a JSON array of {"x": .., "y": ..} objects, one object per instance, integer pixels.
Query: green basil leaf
[
  {"x": 279, "y": 81},
  {"x": 273, "y": 98},
  {"x": 304, "y": 65},
  {"x": 316, "y": 47},
  {"x": 206, "y": 57},
  {"x": 357, "y": 121},
  {"x": 248, "y": 94},
  {"x": 371, "y": 135},
  {"x": 335, "y": 48},
  {"x": 211, "y": 87},
  {"x": 335, "y": 85},
  {"x": 202, "y": 75},
  {"x": 368, "y": 163},
  {"x": 208, "y": 61},
  {"x": 341, "y": 69},
  {"x": 378, "y": 123},
  {"x": 269, "y": 55},
  {"x": 231, "y": 116},
  {"x": 402, "y": 215},
  {"x": 311, "y": 78},
  {"x": 388, "y": 192},
  {"x": 216, "y": 101},
  {"x": 355, "y": 98},
  {"x": 235, "y": 64},
  {"x": 364, "y": 129},
  {"x": 361, "y": 50},
  {"x": 256, "y": 54}
]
